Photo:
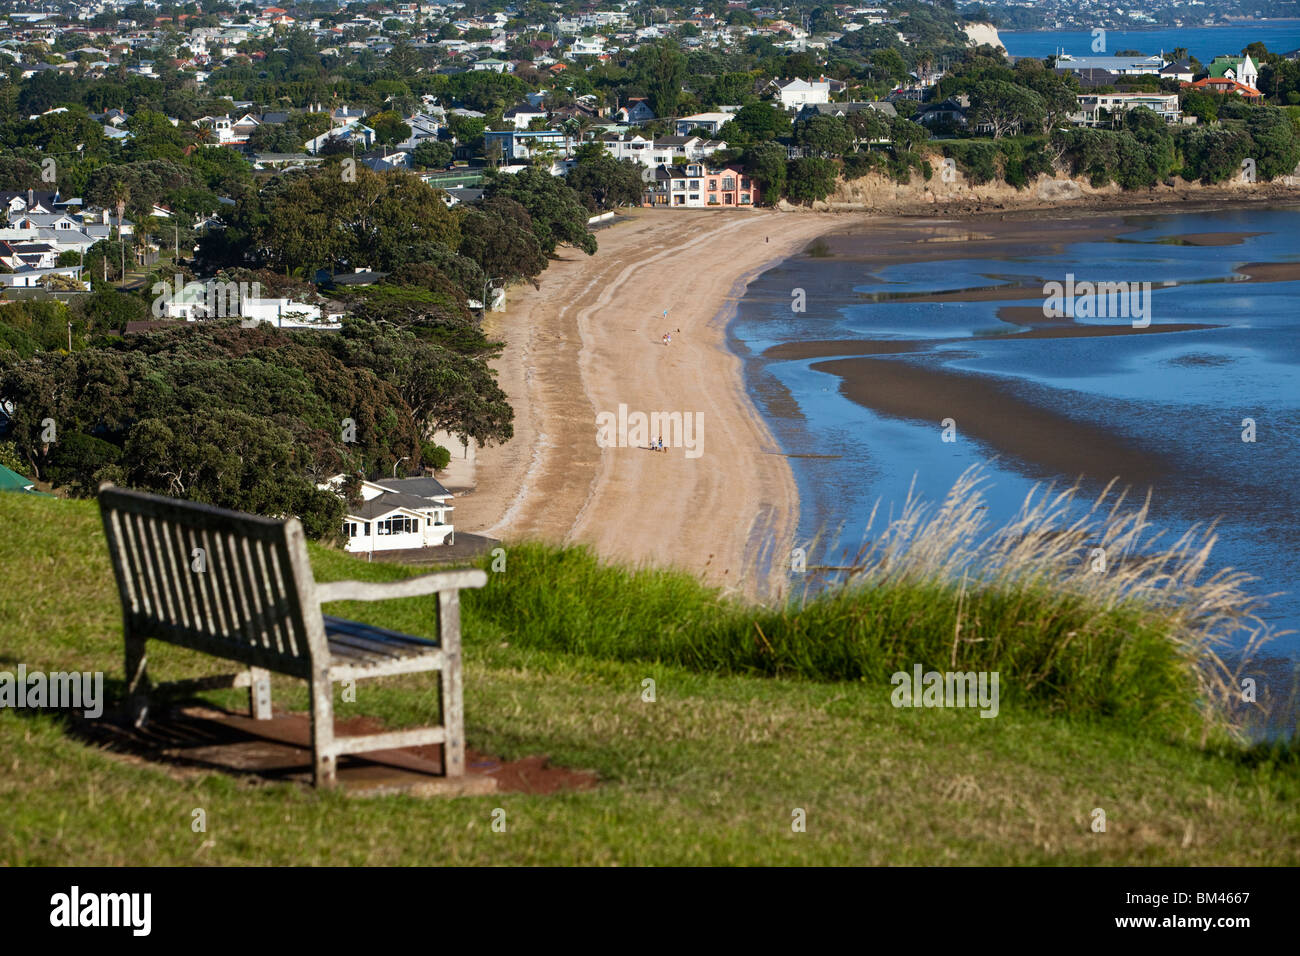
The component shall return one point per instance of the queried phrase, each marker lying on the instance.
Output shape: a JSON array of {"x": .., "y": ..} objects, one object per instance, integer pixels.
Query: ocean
[
  {"x": 909, "y": 322},
  {"x": 1204, "y": 43}
]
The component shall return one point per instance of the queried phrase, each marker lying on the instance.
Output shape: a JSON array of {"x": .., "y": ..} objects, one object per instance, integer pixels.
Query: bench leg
[
  {"x": 451, "y": 701},
  {"x": 322, "y": 731},
  {"x": 137, "y": 682},
  {"x": 259, "y": 693}
]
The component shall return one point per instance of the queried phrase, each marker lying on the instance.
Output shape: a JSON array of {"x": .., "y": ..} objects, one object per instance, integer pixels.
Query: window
[
  {"x": 713, "y": 185},
  {"x": 695, "y": 184},
  {"x": 729, "y": 183},
  {"x": 744, "y": 183},
  {"x": 397, "y": 525}
]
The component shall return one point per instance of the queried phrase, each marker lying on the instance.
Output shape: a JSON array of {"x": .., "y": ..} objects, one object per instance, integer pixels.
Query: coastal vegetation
[{"x": 708, "y": 770}]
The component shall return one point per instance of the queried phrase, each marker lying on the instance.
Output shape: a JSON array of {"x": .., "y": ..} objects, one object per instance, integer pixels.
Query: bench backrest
[{"x": 229, "y": 584}]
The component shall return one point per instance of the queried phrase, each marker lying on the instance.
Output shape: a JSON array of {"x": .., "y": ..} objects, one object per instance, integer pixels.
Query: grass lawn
[{"x": 711, "y": 772}]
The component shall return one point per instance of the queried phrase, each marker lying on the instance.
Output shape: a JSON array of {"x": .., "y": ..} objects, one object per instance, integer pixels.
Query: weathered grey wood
[
  {"x": 407, "y": 587},
  {"x": 392, "y": 740},
  {"x": 450, "y": 702},
  {"x": 137, "y": 682},
  {"x": 258, "y": 603},
  {"x": 259, "y": 693}
]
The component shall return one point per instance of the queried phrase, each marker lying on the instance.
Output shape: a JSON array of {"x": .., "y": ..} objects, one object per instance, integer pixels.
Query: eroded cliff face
[
  {"x": 978, "y": 34},
  {"x": 956, "y": 195}
]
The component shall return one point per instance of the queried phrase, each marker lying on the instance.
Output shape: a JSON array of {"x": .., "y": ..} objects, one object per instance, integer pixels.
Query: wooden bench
[{"x": 240, "y": 587}]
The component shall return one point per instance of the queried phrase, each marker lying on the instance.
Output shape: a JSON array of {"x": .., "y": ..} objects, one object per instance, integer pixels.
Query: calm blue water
[
  {"x": 1179, "y": 397},
  {"x": 1204, "y": 43}
]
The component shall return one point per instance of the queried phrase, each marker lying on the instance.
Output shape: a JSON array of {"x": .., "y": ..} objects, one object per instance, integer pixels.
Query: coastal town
[{"x": 656, "y": 352}]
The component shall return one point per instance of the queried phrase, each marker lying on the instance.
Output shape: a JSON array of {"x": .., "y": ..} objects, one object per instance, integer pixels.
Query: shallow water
[{"x": 1167, "y": 408}]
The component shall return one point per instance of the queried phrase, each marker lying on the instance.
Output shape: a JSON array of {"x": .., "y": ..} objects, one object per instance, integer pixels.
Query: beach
[{"x": 588, "y": 340}]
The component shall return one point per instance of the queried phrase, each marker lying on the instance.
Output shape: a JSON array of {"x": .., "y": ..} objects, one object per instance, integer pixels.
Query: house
[
  {"x": 798, "y": 93},
  {"x": 33, "y": 200},
  {"x": 29, "y": 255},
  {"x": 1181, "y": 71},
  {"x": 283, "y": 313},
  {"x": 522, "y": 145},
  {"x": 709, "y": 122},
  {"x": 948, "y": 114},
  {"x": 522, "y": 114},
  {"x": 1102, "y": 109},
  {"x": 395, "y": 514},
  {"x": 1239, "y": 68},
  {"x": 886, "y": 109},
  {"x": 700, "y": 186},
  {"x": 1226, "y": 85},
  {"x": 358, "y": 135},
  {"x": 636, "y": 111},
  {"x": 662, "y": 151},
  {"x": 1119, "y": 65}
]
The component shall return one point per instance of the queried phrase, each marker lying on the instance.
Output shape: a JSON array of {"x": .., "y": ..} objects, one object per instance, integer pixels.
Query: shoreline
[{"x": 588, "y": 341}]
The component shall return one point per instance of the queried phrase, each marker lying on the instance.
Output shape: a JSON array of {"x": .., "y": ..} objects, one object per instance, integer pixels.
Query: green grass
[{"x": 709, "y": 773}]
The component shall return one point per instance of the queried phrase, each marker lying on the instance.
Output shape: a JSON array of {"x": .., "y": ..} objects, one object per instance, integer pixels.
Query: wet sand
[{"x": 984, "y": 410}]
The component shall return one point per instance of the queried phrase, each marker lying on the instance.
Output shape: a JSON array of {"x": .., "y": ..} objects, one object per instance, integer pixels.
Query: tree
[
  {"x": 389, "y": 127},
  {"x": 660, "y": 69},
  {"x": 1005, "y": 106},
  {"x": 603, "y": 182},
  {"x": 432, "y": 154},
  {"x": 499, "y": 236},
  {"x": 825, "y": 136},
  {"x": 761, "y": 121},
  {"x": 557, "y": 213},
  {"x": 766, "y": 163},
  {"x": 811, "y": 179}
]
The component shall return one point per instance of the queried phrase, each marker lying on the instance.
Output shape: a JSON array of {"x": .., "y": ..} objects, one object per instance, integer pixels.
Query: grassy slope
[{"x": 709, "y": 773}]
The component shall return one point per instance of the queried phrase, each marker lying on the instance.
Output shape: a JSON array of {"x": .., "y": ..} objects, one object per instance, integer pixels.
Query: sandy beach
[{"x": 590, "y": 339}]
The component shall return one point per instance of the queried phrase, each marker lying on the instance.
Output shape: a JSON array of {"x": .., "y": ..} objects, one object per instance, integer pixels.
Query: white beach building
[{"x": 396, "y": 514}]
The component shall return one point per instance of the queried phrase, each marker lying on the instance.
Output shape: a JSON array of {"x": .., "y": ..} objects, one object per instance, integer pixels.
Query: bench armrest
[{"x": 407, "y": 587}]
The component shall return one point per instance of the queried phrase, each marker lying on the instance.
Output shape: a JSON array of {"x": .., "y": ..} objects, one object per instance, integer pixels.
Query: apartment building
[{"x": 700, "y": 186}]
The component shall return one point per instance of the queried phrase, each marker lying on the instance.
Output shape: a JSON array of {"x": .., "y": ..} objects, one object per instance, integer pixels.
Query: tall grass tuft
[{"x": 1141, "y": 641}]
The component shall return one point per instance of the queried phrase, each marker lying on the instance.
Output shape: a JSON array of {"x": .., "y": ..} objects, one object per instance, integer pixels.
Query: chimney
[{"x": 31, "y": 198}]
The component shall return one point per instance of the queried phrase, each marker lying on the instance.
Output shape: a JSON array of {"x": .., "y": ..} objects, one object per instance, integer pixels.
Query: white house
[
  {"x": 396, "y": 514},
  {"x": 357, "y": 134},
  {"x": 283, "y": 313},
  {"x": 662, "y": 151},
  {"x": 798, "y": 93},
  {"x": 1098, "y": 109},
  {"x": 706, "y": 121}
]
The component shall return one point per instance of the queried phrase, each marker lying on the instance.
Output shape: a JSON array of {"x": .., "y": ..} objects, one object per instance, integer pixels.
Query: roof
[
  {"x": 389, "y": 502},
  {"x": 424, "y": 487},
  {"x": 10, "y": 480}
]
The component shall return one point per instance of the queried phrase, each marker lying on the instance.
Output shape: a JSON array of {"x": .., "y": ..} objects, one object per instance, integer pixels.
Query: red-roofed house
[{"x": 1212, "y": 84}]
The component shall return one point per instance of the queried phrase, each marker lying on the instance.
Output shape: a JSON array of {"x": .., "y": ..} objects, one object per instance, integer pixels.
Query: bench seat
[
  {"x": 365, "y": 650},
  {"x": 240, "y": 587}
]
